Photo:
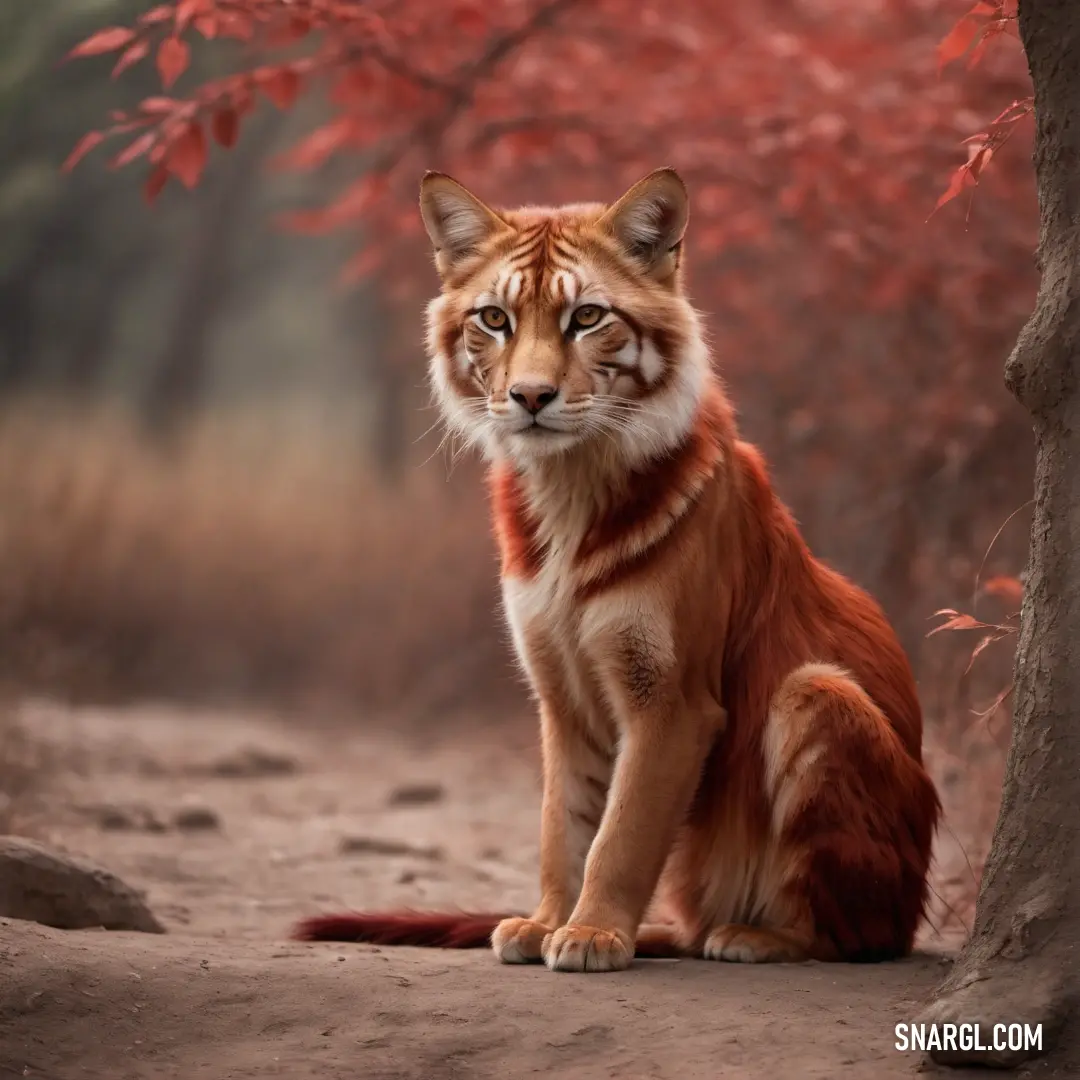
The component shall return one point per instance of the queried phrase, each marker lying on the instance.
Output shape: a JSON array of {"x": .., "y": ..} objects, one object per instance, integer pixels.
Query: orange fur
[{"x": 731, "y": 730}]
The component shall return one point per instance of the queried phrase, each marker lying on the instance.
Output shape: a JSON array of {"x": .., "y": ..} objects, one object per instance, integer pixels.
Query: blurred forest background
[{"x": 217, "y": 478}]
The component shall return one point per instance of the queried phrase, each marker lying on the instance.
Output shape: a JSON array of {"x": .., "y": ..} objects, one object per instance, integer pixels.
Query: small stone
[
  {"x": 196, "y": 819},
  {"x": 65, "y": 892},
  {"x": 373, "y": 845},
  {"x": 252, "y": 763},
  {"x": 416, "y": 795},
  {"x": 114, "y": 818}
]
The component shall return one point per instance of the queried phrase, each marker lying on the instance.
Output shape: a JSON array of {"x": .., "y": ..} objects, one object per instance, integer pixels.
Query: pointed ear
[
  {"x": 650, "y": 219},
  {"x": 456, "y": 220}
]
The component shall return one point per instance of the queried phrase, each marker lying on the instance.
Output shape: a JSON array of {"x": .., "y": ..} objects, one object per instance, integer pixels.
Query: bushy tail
[
  {"x": 657, "y": 941},
  {"x": 438, "y": 930},
  {"x": 422, "y": 929}
]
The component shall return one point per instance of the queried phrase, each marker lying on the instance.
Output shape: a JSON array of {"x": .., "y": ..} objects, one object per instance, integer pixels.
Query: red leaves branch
[
  {"x": 356, "y": 42},
  {"x": 104, "y": 41},
  {"x": 173, "y": 132},
  {"x": 173, "y": 58},
  {"x": 983, "y": 22},
  {"x": 445, "y": 100}
]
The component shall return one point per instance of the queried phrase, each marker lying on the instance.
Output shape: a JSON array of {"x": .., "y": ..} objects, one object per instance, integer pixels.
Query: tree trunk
[
  {"x": 91, "y": 350},
  {"x": 387, "y": 378},
  {"x": 177, "y": 384},
  {"x": 1022, "y": 963}
]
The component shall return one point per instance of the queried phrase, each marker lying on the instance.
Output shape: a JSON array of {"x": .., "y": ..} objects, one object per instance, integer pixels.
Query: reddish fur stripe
[
  {"x": 422, "y": 929},
  {"x": 653, "y": 491},
  {"x": 439, "y": 930},
  {"x": 515, "y": 528}
]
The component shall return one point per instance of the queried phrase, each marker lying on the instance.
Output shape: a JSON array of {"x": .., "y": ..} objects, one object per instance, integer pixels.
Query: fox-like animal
[{"x": 730, "y": 729}]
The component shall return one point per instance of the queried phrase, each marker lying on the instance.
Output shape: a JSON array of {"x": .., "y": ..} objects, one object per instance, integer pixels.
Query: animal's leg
[
  {"x": 655, "y": 775},
  {"x": 576, "y": 777},
  {"x": 852, "y": 816}
]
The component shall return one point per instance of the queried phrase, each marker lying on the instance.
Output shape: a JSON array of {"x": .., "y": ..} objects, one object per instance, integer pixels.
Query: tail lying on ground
[
  {"x": 441, "y": 930},
  {"x": 658, "y": 942},
  {"x": 421, "y": 929}
]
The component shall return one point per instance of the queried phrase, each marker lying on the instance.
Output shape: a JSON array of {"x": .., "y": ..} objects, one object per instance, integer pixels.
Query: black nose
[{"x": 533, "y": 396}]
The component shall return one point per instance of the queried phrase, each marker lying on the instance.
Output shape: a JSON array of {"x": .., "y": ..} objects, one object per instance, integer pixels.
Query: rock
[
  {"x": 252, "y": 763},
  {"x": 416, "y": 795},
  {"x": 113, "y": 818},
  {"x": 65, "y": 892},
  {"x": 196, "y": 819},
  {"x": 373, "y": 845}
]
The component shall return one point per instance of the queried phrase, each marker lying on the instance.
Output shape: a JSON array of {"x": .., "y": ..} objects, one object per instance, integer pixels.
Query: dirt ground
[{"x": 237, "y": 825}]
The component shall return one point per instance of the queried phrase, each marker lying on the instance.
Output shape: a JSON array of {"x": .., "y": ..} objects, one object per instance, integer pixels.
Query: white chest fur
[
  {"x": 545, "y": 622},
  {"x": 575, "y": 649}
]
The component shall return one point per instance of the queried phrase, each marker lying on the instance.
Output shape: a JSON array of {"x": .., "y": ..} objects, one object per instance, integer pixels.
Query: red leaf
[
  {"x": 243, "y": 99},
  {"x": 980, "y": 160},
  {"x": 300, "y": 26},
  {"x": 310, "y": 222},
  {"x": 161, "y": 13},
  {"x": 957, "y": 41},
  {"x": 313, "y": 150},
  {"x": 207, "y": 25},
  {"x": 236, "y": 24},
  {"x": 352, "y": 204},
  {"x": 135, "y": 150},
  {"x": 357, "y": 199},
  {"x": 471, "y": 21},
  {"x": 960, "y": 179},
  {"x": 226, "y": 126},
  {"x": 172, "y": 60},
  {"x": 1014, "y": 112},
  {"x": 139, "y": 51},
  {"x": 286, "y": 31},
  {"x": 155, "y": 182},
  {"x": 1008, "y": 588},
  {"x": 104, "y": 41},
  {"x": 186, "y": 10},
  {"x": 990, "y": 639},
  {"x": 280, "y": 86},
  {"x": 353, "y": 86},
  {"x": 957, "y": 622},
  {"x": 82, "y": 148},
  {"x": 158, "y": 106},
  {"x": 186, "y": 157}
]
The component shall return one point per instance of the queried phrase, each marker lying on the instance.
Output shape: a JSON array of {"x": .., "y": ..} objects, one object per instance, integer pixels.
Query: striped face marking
[{"x": 562, "y": 328}]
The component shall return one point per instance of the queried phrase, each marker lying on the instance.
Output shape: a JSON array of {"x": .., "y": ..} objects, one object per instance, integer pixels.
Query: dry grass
[{"x": 254, "y": 560}]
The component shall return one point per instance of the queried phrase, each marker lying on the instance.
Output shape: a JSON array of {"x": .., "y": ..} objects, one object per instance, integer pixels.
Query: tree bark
[{"x": 1022, "y": 962}]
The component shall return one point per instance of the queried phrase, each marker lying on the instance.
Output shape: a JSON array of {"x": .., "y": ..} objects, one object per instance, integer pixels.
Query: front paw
[
  {"x": 587, "y": 948},
  {"x": 519, "y": 941}
]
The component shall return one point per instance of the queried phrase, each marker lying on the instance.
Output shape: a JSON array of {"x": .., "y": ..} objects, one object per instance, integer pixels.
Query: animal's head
[{"x": 560, "y": 329}]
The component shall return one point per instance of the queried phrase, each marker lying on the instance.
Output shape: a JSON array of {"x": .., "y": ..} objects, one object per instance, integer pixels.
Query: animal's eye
[
  {"x": 494, "y": 318},
  {"x": 586, "y": 316}
]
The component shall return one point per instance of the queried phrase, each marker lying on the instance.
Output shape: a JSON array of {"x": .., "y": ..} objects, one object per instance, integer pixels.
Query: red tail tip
[{"x": 431, "y": 930}]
